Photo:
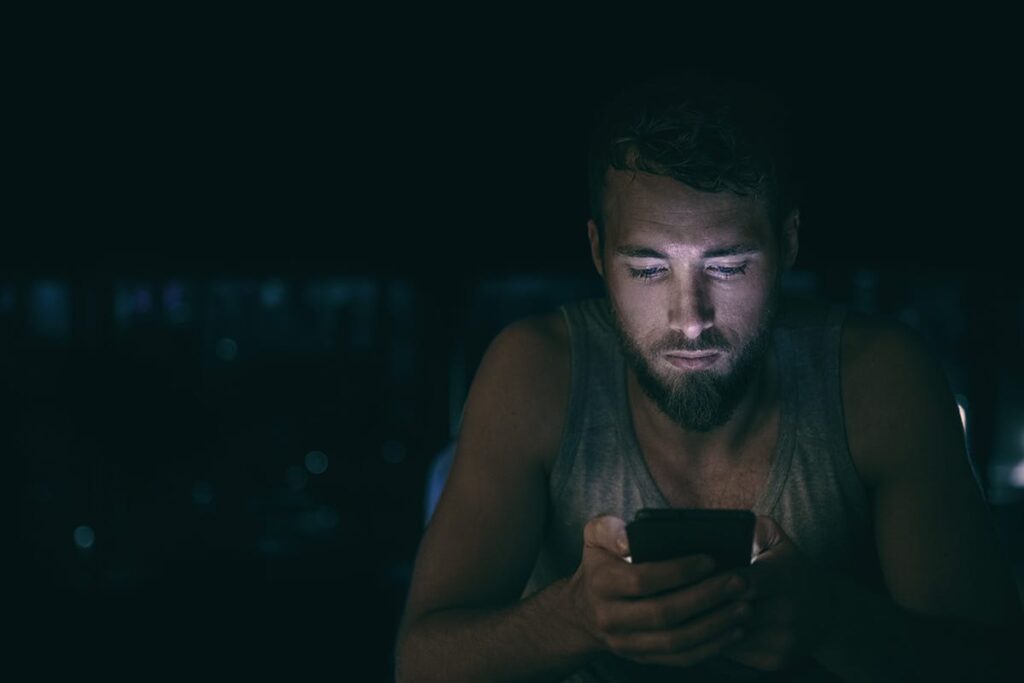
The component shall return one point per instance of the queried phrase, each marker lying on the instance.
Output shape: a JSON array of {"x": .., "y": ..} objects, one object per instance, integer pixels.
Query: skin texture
[{"x": 949, "y": 603}]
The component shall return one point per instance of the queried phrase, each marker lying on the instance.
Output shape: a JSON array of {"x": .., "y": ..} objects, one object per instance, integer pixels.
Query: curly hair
[{"x": 710, "y": 131}]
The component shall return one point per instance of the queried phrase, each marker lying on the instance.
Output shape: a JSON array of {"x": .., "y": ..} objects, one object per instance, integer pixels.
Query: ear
[
  {"x": 595, "y": 247},
  {"x": 790, "y": 242}
]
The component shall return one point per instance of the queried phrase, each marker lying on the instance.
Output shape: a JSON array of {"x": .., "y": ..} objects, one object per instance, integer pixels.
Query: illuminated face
[{"x": 692, "y": 277}]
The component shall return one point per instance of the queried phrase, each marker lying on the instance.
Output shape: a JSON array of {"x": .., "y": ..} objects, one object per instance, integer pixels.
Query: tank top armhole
[
  {"x": 569, "y": 442},
  {"x": 850, "y": 478}
]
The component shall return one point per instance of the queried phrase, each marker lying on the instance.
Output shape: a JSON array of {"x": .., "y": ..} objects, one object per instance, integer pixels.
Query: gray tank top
[{"x": 812, "y": 490}]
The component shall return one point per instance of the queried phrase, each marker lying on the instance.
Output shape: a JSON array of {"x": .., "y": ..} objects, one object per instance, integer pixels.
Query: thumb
[
  {"x": 767, "y": 534},
  {"x": 608, "y": 533}
]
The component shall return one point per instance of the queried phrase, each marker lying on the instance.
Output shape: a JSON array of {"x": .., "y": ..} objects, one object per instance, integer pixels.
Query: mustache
[{"x": 709, "y": 341}]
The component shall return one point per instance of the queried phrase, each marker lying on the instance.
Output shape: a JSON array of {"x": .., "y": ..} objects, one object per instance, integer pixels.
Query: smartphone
[{"x": 665, "y": 533}]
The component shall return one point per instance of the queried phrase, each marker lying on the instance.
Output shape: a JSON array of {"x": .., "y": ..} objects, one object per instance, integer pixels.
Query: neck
[{"x": 727, "y": 440}]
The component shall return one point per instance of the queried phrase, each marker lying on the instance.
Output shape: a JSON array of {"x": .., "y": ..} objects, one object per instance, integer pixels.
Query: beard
[{"x": 699, "y": 400}]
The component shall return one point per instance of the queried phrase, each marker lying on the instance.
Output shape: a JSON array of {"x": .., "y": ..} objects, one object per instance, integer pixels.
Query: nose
[{"x": 690, "y": 310}]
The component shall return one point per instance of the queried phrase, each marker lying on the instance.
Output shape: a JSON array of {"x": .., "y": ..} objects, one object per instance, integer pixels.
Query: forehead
[{"x": 643, "y": 205}]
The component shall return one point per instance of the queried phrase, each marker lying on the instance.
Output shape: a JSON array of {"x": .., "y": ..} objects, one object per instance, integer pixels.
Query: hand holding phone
[
  {"x": 666, "y": 533},
  {"x": 675, "y": 612}
]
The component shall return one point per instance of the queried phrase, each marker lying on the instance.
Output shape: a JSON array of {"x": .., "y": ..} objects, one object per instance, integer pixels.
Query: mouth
[{"x": 692, "y": 360}]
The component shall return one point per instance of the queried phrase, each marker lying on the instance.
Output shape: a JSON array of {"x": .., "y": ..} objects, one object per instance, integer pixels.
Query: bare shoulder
[
  {"x": 864, "y": 336},
  {"x": 483, "y": 538},
  {"x": 894, "y": 391},
  {"x": 526, "y": 375},
  {"x": 541, "y": 336},
  {"x": 937, "y": 547}
]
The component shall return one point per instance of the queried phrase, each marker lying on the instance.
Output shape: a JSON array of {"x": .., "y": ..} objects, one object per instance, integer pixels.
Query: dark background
[{"x": 240, "y": 253}]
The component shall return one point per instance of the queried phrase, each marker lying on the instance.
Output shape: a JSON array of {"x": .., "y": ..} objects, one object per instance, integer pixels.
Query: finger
[
  {"x": 673, "y": 608},
  {"x": 652, "y": 578},
  {"x": 608, "y": 533},
  {"x": 696, "y": 654},
  {"x": 683, "y": 637}
]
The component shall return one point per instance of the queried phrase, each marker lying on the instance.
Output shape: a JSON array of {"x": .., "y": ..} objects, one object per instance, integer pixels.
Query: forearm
[
  {"x": 876, "y": 640},
  {"x": 533, "y": 640}
]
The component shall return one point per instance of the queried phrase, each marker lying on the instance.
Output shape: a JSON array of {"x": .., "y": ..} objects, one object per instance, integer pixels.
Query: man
[{"x": 692, "y": 385}]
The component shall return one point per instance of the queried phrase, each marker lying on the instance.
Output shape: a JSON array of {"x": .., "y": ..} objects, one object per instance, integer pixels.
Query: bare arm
[
  {"x": 952, "y": 607},
  {"x": 464, "y": 620}
]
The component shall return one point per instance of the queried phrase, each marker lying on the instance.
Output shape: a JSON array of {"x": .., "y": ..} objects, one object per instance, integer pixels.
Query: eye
[
  {"x": 726, "y": 272},
  {"x": 646, "y": 273}
]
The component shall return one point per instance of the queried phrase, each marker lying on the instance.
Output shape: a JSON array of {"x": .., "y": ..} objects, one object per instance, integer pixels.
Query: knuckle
[
  {"x": 732, "y": 583},
  {"x": 616, "y": 644},
  {"x": 596, "y": 529}
]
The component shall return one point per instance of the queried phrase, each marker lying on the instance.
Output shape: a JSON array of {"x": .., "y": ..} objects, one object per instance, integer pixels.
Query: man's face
[{"x": 692, "y": 278}]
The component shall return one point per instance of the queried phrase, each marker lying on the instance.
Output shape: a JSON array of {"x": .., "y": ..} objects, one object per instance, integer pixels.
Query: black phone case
[{"x": 663, "y": 534}]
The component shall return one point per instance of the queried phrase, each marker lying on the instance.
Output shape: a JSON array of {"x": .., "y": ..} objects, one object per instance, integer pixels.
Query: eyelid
[
  {"x": 647, "y": 274},
  {"x": 645, "y": 261}
]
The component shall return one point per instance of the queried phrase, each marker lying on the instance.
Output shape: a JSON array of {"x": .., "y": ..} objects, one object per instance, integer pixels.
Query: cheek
[
  {"x": 742, "y": 313},
  {"x": 637, "y": 310},
  {"x": 741, "y": 303}
]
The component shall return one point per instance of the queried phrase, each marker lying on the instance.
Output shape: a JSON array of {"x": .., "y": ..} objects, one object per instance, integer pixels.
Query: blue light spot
[
  {"x": 227, "y": 349},
  {"x": 175, "y": 306},
  {"x": 85, "y": 537},
  {"x": 316, "y": 462},
  {"x": 272, "y": 293},
  {"x": 174, "y": 294},
  {"x": 49, "y": 310}
]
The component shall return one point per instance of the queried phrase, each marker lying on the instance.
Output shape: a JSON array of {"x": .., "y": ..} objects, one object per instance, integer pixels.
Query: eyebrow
[{"x": 647, "y": 252}]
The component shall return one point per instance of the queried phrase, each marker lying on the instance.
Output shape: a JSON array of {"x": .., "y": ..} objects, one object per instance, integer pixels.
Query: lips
[
  {"x": 693, "y": 360},
  {"x": 692, "y": 355}
]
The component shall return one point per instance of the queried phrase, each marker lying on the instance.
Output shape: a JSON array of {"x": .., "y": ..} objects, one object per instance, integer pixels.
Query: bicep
[
  {"x": 937, "y": 546},
  {"x": 483, "y": 538}
]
